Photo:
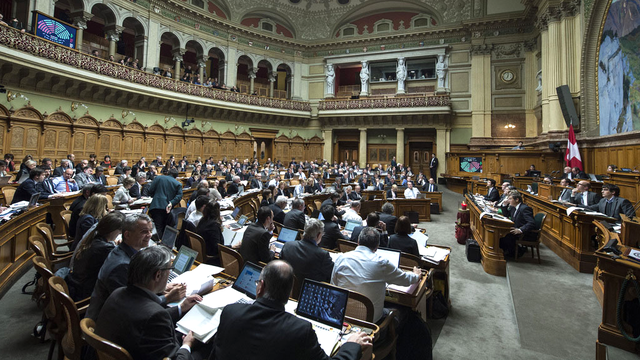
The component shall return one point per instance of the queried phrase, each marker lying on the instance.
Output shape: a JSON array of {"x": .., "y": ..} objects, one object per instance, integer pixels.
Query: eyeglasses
[{"x": 168, "y": 268}]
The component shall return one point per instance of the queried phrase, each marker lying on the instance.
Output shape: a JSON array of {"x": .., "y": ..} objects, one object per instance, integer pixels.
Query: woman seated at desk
[
  {"x": 401, "y": 239},
  {"x": 93, "y": 210},
  {"x": 210, "y": 228},
  {"x": 122, "y": 198}
]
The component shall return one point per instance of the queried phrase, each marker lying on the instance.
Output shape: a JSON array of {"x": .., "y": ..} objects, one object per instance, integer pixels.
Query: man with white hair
[
  {"x": 277, "y": 208},
  {"x": 233, "y": 187}
]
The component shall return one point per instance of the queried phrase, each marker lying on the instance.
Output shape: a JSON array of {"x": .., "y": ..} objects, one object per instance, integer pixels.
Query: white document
[
  {"x": 571, "y": 209},
  {"x": 334, "y": 256},
  {"x": 420, "y": 238},
  {"x": 434, "y": 254},
  {"x": 634, "y": 254},
  {"x": 202, "y": 321},
  {"x": 221, "y": 298},
  {"x": 232, "y": 237}
]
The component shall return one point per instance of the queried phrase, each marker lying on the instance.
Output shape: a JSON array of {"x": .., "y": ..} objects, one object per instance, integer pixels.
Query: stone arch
[
  {"x": 274, "y": 17},
  {"x": 133, "y": 36},
  {"x": 217, "y": 62}
]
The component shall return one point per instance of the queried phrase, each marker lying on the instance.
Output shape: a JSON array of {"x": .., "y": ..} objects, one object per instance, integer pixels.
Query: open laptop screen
[
  {"x": 169, "y": 237},
  {"x": 33, "y": 201},
  {"x": 184, "y": 260},
  {"x": 287, "y": 235},
  {"x": 392, "y": 255},
  {"x": 323, "y": 303},
  {"x": 350, "y": 225},
  {"x": 246, "y": 281}
]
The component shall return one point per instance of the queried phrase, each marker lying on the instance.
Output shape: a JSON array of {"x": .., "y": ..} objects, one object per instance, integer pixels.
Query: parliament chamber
[{"x": 499, "y": 136}]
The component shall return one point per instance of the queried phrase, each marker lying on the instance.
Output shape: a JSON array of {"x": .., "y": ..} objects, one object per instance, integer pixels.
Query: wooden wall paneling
[
  {"x": 297, "y": 149},
  {"x": 314, "y": 149},
  {"x": 155, "y": 141},
  {"x": 507, "y": 162},
  {"x": 244, "y": 146},
  {"x": 211, "y": 145},
  {"x": 111, "y": 140},
  {"x": 175, "y": 143},
  {"x": 193, "y": 145},
  {"x": 85, "y": 137},
  {"x": 228, "y": 145},
  {"x": 134, "y": 144},
  {"x": 4, "y": 138},
  {"x": 24, "y": 133},
  {"x": 283, "y": 149}
]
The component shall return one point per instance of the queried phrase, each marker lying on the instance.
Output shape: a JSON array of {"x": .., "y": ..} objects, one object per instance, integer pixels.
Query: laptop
[
  {"x": 350, "y": 225},
  {"x": 392, "y": 255},
  {"x": 246, "y": 282},
  {"x": 421, "y": 196},
  {"x": 285, "y": 236},
  {"x": 33, "y": 201},
  {"x": 4, "y": 180},
  {"x": 324, "y": 306},
  {"x": 320, "y": 216},
  {"x": 169, "y": 237},
  {"x": 183, "y": 262},
  {"x": 231, "y": 216},
  {"x": 241, "y": 222}
]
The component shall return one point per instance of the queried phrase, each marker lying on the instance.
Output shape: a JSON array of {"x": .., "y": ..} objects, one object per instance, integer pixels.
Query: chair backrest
[
  {"x": 38, "y": 245},
  {"x": 183, "y": 204},
  {"x": 297, "y": 286},
  {"x": 387, "y": 344},
  {"x": 109, "y": 201},
  {"x": 111, "y": 172},
  {"x": 197, "y": 244},
  {"x": 278, "y": 227},
  {"x": 106, "y": 349},
  {"x": 180, "y": 220},
  {"x": 47, "y": 235},
  {"x": 539, "y": 218},
  {"x": 67, "y": 205},
  {"x": 410, "y": 260},
  {"x": 66, "y": 216},
  {"x": 41, "y": 265},
  {"x": 112, "y": 180},
  {"x": 8, "y": 192},
  {"x": 346, "y": 245},
  {"x": 230, "y": 260},
  {"x": 359, "y": 307},
  {"x": 72, "y": 340}
]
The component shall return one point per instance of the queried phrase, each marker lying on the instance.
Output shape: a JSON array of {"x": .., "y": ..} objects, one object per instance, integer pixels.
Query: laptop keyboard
[
  {"x": 172, "y": 276},
  {"x": 244, "y": 301}
]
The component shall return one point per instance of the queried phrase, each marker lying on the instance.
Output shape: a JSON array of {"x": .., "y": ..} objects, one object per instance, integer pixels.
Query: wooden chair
[
  {"x": 295, "y": 290},
  {"x": 360, "y": 307},
  {"x": 45, "y": 302},
  {"x": 183, "y": 204},
  {"x": 8, "y": 192},
  {"x": 539, "y": 218},
  {"x": 180, "y": 220},
  {"x": 278, "y": 226},
  {"x": 68, "y": 313},
  {"x": 112, "y": 180},
  {"x": 67, "y": 205},
  {"x": 109, "y": 201},
  {"x": 197, "y": 243},
  {"x": 111, "y": 172},
  {"x": 386, "y": 346},
  {"x": 230, "y": 260},
  {"x": 66, "y": 216},
  {"x": 346, "y": 245},
  {"x": 105, "y": 349},
  {"x": 47, "y": 234},
  {"x": 410, "y": 260},
  {"x": 54, "y": 261}
]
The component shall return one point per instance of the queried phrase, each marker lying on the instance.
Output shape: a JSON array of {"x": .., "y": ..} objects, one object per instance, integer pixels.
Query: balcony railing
[
  {"x": 386, "y": 102},
  {"x": 36, "y": 46}
]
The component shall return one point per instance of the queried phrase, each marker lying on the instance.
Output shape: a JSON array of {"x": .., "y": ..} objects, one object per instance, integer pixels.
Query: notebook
[
  {"x": 169, "y": 237},
  {"x": 241, "y": 222},
  {"x": 324, "y": 306},
  {"x": 182, "y": 263},
  {"x": 285, "y": 236}
]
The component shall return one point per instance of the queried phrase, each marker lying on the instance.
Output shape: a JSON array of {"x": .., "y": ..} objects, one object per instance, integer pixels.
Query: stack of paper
[
  {"x": 434, "y": 254},
  {"x": 200, "y": 280},
  {"x": 420, "y": 238},
  {"x": 202, "y": 321}
]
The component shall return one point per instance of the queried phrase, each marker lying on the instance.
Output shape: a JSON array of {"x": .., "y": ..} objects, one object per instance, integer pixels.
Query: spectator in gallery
[{"x": 520, "y": 146}]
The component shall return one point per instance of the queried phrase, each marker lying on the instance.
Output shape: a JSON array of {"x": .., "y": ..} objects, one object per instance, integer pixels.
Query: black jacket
[
  {"x": 86, "y": 268},
  {"x": 278, "y": 214},
  {"x": 282, "y": 336},
  {"x": 331, "y": 235},
  {"x": 404, "y": 243},
  {"x": 492, "y": 194},
  {"x": 391, "y": 221},
  {"x": 255, "y": 244},
  {"x": 294, "y": 219},
  {"x": 309, "y": 261},
  {"x": 384, "y": 238},
  {"x": 211, "y": 232}
]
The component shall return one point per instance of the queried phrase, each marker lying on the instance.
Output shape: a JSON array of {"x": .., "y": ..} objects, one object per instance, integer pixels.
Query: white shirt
[
  {"x": 411, "y": 193},
  {"x": 190, "y": 209},
  {"x": 351, "y": 215},
  {"x": 366, "y": 272},
  {"x": 195, "y": 217}
]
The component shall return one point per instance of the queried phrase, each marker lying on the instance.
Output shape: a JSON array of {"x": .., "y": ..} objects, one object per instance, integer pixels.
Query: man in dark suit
[
  {"x": 565, "y": 195},
  {"x": 166, "y": 192},
  {"x": 433, "y": 166},
  {"x": 98, "y": 176},
  {"x": 373, "y": 220},
  {"x": 394, "y": 163},
  {"x": 388, "y": 218},
  {"x": 331, "y": 228},
  {"x": 333, "y": 202},
  {"x": 232, "y": 187},
  {"x": 255, "y": 242},
  {"x": 136, "y": 233},
  {"x": 309, "y": 261},
  {"x": 523, "y": 225},
  {"x": 612, "y": 204},
  {"x": 492, "y": 192},
  {"x": 256, "y": 182},
  {"x": 136, "y": 190},
  {"x": 295, "y": 219},
  {"x": 431, "y": 186},
  {"x": 263, "y": 330},
  {"x": 364, "y": 182},
  {"x": 277, "y": 208},
  {"x": 31, "y": 186},
  {"x": 133, "y": 316},
  {"x": 582, "y": 196},
  {"x": 578, "y": 174},
  {"x": 567, "y": 174},
  {"x": 64, "y": 165},
  {"x": 393, "y": 192}
]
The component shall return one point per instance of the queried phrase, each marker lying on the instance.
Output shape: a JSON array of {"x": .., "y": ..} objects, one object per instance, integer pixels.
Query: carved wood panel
[
  {"x": 174, "y": 147},
  {"x": 56, "y": 143},
  {"x": 111, "y": 144},
  {"x": 24, "y": 140},
  {"x": 133, "y": 147},
  {"x": 84, "y": 143},
  {"x": 211, "y": 148}
]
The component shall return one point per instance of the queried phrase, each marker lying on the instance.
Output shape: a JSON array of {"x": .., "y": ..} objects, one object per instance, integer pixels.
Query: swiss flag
[{"x": 573, "y": 153}]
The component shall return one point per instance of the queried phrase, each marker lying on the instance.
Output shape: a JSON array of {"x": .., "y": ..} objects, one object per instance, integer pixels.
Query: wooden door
[{"x": 419, "y": 157}]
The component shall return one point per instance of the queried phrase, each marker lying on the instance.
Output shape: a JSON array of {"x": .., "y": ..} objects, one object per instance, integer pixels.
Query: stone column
[
  {"x": 44, "y": 6},
  {"x": 272, "y": 80},
  {"x": 152, "y": 53},
  {"x": 289, "y": 83},
  {"x": 202, "y": 64},
  {"x": 555, "y": 75},
  {"x": 362, "y": 151},
  {"x": 364, "y": 79},
  {"x": 231, "y": 65},
  {"x": 542, "y": 23},
  {"x": 252, "y": 77},
  {"x": 481, "y": 90},
  {"x": 443, "y": 146},
  {"x": 113, "y": 34},
  {"x": 177, "y": 57},
  {"x": 327, "y": 149},
  {"x": 141, "y": 45},
  {"x": 222, "y": 68},
  {"x": 80, "y": 20},
  {"x": 530, "y": 85},
  {"x": 400, "y": 145}
]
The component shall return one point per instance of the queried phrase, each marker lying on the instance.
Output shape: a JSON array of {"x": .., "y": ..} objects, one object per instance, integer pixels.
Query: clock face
[{"x": 508, "y": 76}]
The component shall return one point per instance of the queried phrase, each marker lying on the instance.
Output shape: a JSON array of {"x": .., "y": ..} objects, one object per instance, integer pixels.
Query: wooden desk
[
  {"x": 487, "y": 232},
  {"x": 14, "y": 245},
  {"x": 569, "y": 236},
  {"x": 248, "y": 204},
  {"x": 421, "y": 206},
  {"x": 436, "y": 197},
  {"x": 373, "y": 194},
  {"x": 456, "y": 183},
  {"x": 629, "y": 184},
  {"x": 629, "y": 231},
  {"x": 56, "y": 206},
  {"x": 609, "y": 276},
  {"x": 416, "y": 301}
]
